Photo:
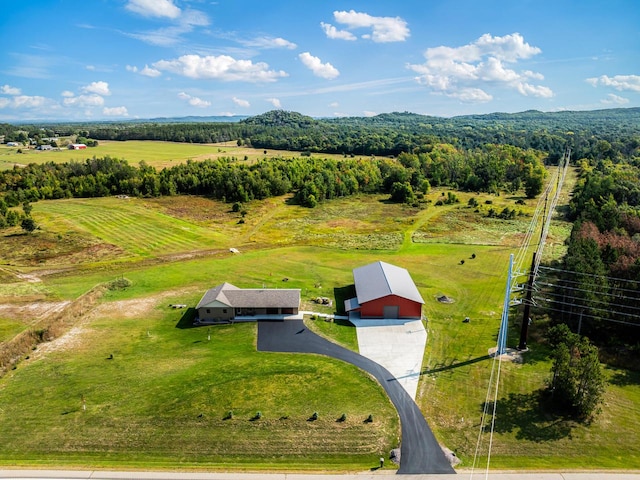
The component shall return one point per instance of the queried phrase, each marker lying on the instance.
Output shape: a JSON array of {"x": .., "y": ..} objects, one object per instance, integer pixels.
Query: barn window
[
  {"x": 208, "y": 311},
  {"x": 224, "y": 310}
]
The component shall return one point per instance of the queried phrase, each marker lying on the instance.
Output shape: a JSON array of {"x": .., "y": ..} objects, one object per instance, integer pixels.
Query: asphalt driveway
[{"x": 419, "y": 452}]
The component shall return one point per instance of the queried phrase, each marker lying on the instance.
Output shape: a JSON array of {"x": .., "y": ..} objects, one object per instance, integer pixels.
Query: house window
[
  {"x": 224, "y": 310},
  {"x": 208, "y": 311}
]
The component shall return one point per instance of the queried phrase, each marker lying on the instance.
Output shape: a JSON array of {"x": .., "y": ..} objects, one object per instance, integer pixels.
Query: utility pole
[
  {"x": 524, "y": 329},
  {"x": 504, "y": 324}
]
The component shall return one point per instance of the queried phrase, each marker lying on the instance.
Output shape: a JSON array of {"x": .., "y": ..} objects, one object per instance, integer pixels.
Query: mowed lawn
[
  {"x": 129, "y": 225},
  {"x": 125, "y": 391}
]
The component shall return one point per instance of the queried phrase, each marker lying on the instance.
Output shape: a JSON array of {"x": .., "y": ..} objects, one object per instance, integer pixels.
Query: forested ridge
[{"x": 384, "y": 134}]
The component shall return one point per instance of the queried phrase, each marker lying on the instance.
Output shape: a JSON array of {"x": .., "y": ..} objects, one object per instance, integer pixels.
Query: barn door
[{"x": 391, "y": 311}]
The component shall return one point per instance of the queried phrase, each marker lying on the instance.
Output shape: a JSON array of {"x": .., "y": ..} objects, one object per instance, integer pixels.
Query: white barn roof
[{"x": 380, "y": 279}]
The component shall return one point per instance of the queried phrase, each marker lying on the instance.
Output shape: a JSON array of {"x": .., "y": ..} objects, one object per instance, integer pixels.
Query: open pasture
[{"x": 155, "y": 153}]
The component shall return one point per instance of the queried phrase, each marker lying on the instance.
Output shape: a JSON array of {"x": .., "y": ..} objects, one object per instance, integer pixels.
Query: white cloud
[
  {"x": 334, "y": 105},
  {"x": 240, "y": 102},
  {"x": 222, "y": 67},
  {"x": 184, "y": 22},
  {"x": 28, "y": 101},
  {"x": 91, "y": 100},
  {"x": 154, "y": 8},
  {"x": 9, "y": 90},
  {"x": 269, "y": 42},
  {"x": 146, "y": 71},
  {"x": 383, "y": 29},
  {"x": 275, "y": 102},
  {"x": 67, "y": 93},
  {"x": 24, "y": 101},
  {"x": 150, "y": 72},
  {"x": 319, "y": 69},
  {"x": 613, "y": 99},
  {"x": 368, "y": 113},
  {"x": 619, "y": 82},
  {"x": 115, "y": 111},
  {"x": 194, "y": 101},
  {"x": 99, "y": 88},
  {"x": 335, "y": 34},
  {"x": 463, "y": 72}
]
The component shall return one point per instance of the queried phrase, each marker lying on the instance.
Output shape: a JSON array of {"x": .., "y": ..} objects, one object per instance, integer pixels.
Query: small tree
[
  {"x": 401, "y": 192},
  {"x": 28, "y": 225},
  {"x": 578, "y": 383},
  {"x": 27, "y": 208}
]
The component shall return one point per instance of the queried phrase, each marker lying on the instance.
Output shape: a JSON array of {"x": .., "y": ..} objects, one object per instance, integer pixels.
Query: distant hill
[{"x": 196, "y": 119}]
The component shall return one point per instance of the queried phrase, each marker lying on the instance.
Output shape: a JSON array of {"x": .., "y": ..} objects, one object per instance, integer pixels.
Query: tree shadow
[
  {"x": 528, "y": 416},
  {"x": 623, "y": 378},
  {"x": 186, "y": 321},
  {"x": 341, "y": 294}
]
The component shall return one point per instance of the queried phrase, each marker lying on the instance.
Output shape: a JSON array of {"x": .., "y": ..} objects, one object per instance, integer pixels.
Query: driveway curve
[{"x": 420, "y": 452}]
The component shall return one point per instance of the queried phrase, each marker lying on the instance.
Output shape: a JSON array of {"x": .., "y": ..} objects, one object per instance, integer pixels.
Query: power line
[
  {"x": 584, "y": 306},
  {"x": 594, "y": 317},
  {"x": 595, "y": 300},
  {"x": 591, "y": 275}
]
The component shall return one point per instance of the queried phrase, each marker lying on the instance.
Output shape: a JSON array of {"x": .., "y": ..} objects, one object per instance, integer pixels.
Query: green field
[
  {"x": 156, "y": 153},
  {"x": 165, "y": 397}
]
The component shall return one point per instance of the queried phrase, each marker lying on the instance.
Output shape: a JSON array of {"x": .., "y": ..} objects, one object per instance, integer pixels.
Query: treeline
[
  {"x": 600, "y": 291},
  {"x": 492, "y": 168},
  {"x": 591, "y": 135}
]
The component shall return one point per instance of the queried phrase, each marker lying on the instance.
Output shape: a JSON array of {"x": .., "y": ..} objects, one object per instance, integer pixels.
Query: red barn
[{"x": 385, "y": 291}]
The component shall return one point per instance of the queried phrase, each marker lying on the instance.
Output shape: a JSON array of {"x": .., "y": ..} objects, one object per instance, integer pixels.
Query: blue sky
[{"x": 126, "y": 59}]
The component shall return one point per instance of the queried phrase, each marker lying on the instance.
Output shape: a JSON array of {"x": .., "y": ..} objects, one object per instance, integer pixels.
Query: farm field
[
  {"x": 171, "y": 397},
  {"x": 155, "y": 153}
]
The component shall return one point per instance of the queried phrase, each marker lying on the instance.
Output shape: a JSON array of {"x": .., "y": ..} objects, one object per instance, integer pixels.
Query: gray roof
[
  {"x": 232, "y": 296},
  {"x": 380, "y": 279}
]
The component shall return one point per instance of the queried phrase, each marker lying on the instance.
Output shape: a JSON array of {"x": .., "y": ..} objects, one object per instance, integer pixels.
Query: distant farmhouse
[
  {"x": 77, "y": 146},
  {"x": 384, "y": 291},
  {"x": 228, "y": 303}
]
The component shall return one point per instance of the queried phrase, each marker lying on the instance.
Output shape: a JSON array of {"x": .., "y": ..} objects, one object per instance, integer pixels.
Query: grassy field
[
  {"x": 155, "y": 153},
  {"x": 170, "y": 397},
  {"x": 163, "y": 398}
]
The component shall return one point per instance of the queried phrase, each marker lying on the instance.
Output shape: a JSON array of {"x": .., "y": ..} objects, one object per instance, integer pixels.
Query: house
[
  {"x": 44, "y": 147},
  {"x": 384, "y": 291},
  {"x": 12, "y": 144},
  {"x": 227, "y": 302},
  {"x": 77, "y": 146}
]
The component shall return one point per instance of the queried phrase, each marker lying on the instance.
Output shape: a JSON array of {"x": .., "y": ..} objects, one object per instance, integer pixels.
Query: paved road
[
  {"x": 382, "y": 475},
  {"x": 419, "y": 451}
]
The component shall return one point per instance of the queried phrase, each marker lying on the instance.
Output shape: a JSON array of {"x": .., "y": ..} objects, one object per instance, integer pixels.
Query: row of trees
[
  {"x": 311, "y": 179},
  {"x": 598, "y": 292}
]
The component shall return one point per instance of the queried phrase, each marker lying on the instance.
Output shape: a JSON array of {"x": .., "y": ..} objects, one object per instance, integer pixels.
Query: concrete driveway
[{"x": 397, "y": 345}]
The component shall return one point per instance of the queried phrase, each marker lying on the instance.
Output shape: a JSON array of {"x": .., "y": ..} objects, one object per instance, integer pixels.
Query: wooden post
[{"x": 524, "y": 329}]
